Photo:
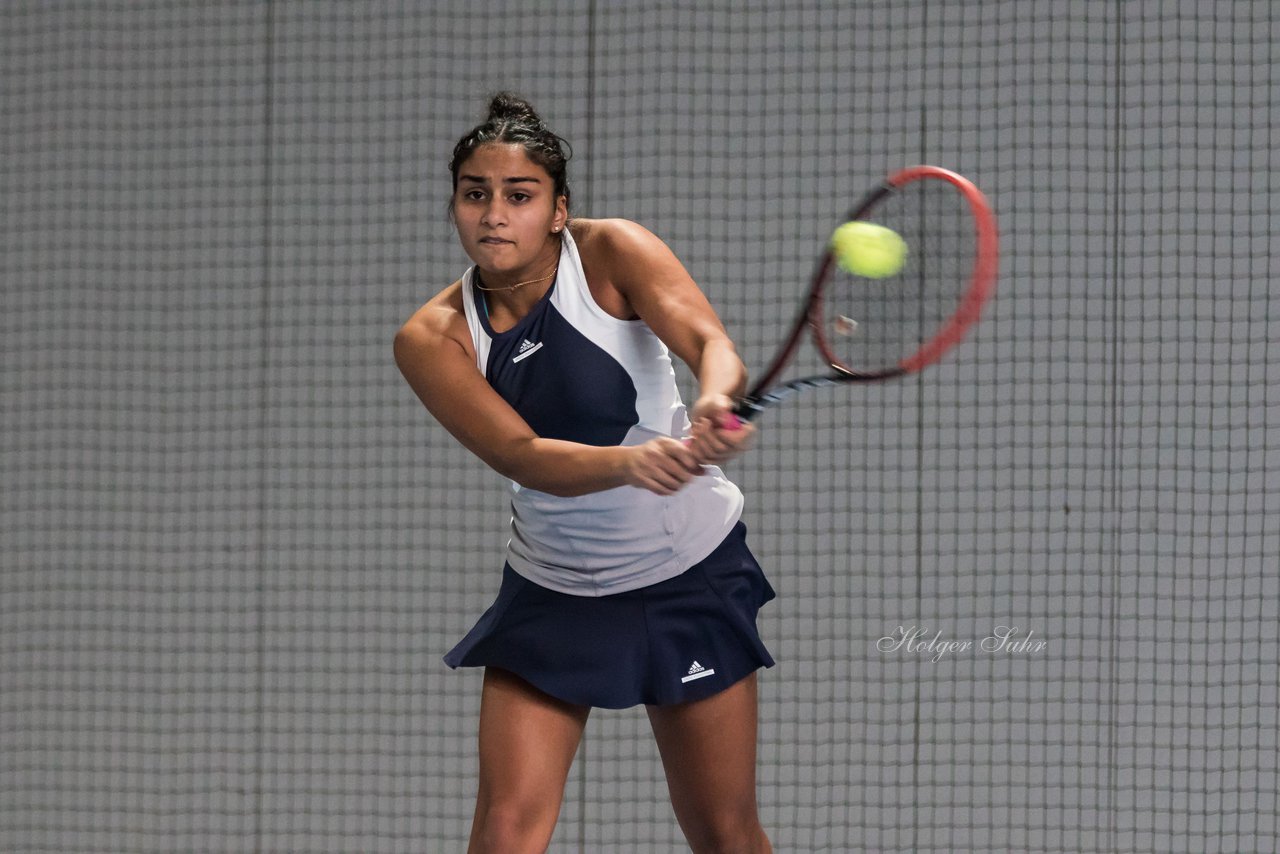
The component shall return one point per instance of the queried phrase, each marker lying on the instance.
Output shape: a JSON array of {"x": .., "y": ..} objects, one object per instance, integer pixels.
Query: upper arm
[
  {"x": 444, "y": 375},
  {"x": 659, "y": 289}
]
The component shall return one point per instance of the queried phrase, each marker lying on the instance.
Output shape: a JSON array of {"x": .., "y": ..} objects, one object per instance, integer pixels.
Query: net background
[{"x": 234, "y": 547}]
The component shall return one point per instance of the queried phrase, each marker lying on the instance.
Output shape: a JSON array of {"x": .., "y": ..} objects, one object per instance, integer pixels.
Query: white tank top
[{"x": 575, "y": 372}]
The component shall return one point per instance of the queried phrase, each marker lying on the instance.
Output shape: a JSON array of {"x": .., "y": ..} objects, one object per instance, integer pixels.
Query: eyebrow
[{"x": 477, "y": 179}]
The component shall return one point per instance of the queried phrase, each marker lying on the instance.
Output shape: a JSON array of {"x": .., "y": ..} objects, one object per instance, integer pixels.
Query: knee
[
  {"x": 728, "y": 834},
  {"x": 513, "y": 828}
]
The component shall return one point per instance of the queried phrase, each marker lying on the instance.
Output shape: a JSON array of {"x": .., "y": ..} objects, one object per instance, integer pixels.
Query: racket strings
[{"x": 873, "y": 324}]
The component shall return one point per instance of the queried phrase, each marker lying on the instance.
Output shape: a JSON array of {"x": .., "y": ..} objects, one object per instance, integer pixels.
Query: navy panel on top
[{"x": 563, "y": 384}]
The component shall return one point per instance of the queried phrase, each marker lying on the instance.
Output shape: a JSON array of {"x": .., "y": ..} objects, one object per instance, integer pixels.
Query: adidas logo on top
[
  {"x": 527, "y": 348},
  {"x": 697, "y": 671}
]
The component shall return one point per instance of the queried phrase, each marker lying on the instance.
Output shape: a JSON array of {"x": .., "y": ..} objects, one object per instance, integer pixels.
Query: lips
[{"x": 494, "y": 241}]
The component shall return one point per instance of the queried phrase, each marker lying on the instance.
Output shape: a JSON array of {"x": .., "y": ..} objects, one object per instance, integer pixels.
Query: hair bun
[{"x": 509, "y": 107}]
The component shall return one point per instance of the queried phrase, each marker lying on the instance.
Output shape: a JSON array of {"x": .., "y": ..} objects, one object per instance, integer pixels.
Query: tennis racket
[{"x": 875, "y": 329}]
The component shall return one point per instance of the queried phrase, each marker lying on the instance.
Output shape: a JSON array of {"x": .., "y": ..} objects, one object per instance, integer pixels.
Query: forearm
[
  {"x": 720, "y": 370},
  {"x": 717, "y": 435},
  {"x": 565, "y": 468},
  {"x": 662, "y": 465}
]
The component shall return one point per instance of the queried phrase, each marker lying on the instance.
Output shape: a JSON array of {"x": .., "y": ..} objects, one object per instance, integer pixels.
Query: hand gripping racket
[{"x": 873, "y": 329}]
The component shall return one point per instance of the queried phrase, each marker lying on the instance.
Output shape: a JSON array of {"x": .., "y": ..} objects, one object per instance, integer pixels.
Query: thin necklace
[{"x": 517, "y": 284}]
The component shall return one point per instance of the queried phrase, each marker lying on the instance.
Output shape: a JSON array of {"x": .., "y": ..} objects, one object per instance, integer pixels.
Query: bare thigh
[
  {"x": 708, "y": 750},
  {"x": 527, "y": 743}
]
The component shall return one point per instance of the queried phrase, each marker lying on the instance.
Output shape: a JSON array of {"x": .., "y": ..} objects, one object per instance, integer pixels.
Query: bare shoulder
[
  {"x": 608, "y": 241},
  {"x": 439, "y": 314},
  {"x": 438, "y": 321},
  {"x": 619, "y": 255}
]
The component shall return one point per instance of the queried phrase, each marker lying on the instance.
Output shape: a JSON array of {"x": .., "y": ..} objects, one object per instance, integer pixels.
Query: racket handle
[{"x": 745, "y": 411}]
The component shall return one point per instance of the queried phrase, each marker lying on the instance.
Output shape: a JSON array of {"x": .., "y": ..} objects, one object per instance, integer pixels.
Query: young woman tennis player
[{"x": 627, "y": 578}]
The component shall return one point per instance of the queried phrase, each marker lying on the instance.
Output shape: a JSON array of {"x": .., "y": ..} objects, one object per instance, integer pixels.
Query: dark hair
[{"x": 511, "y": 120}]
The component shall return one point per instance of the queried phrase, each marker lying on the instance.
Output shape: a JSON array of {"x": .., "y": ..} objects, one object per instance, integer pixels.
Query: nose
[{"x": 495, "y": 213}]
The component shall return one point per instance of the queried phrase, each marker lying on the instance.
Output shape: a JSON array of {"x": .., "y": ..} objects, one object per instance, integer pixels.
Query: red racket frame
[{"x": 982, "y": 279}]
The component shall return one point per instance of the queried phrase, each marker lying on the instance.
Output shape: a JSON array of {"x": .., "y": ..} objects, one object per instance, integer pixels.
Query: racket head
[{"x": 871, "y": 329}]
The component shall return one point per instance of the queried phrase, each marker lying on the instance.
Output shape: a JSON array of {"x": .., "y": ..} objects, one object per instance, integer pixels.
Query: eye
[
  {"x": 473, "y": 195},
  {"x": 520, "y": 197}
]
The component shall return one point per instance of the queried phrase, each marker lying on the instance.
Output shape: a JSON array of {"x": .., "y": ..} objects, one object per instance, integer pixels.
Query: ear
[{"x": 561, "y": 215}]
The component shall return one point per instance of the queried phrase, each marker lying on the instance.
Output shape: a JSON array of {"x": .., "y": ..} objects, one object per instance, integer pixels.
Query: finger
[
  {"x": 679, "y": 454},
  {"x": 708, "y": 449},
  {"x": 662, "y": 467},
  {"x": 727, "y": 439},
  {"x": 721, "y": 445},
  {"x": 658, "y": 488},
  {"x": 701, "y": 427},
  {"x": 674, "y": 474},
  {"x": 660, "y": 481},
  {"x": 684, "y": 456}
]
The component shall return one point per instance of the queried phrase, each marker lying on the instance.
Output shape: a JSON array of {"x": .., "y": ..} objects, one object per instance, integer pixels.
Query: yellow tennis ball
[{"x": 869, "y": 250}]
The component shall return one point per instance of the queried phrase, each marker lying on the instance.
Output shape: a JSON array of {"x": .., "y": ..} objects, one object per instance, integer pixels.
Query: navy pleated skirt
[{"x": 683, "y": 639}]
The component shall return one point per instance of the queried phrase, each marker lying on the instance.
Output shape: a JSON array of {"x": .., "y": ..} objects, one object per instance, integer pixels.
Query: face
[{"x": 506, "y": 211}]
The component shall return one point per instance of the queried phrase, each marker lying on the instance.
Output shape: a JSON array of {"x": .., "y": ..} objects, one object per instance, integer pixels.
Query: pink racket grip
[{"x": 730, "y": 422}]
